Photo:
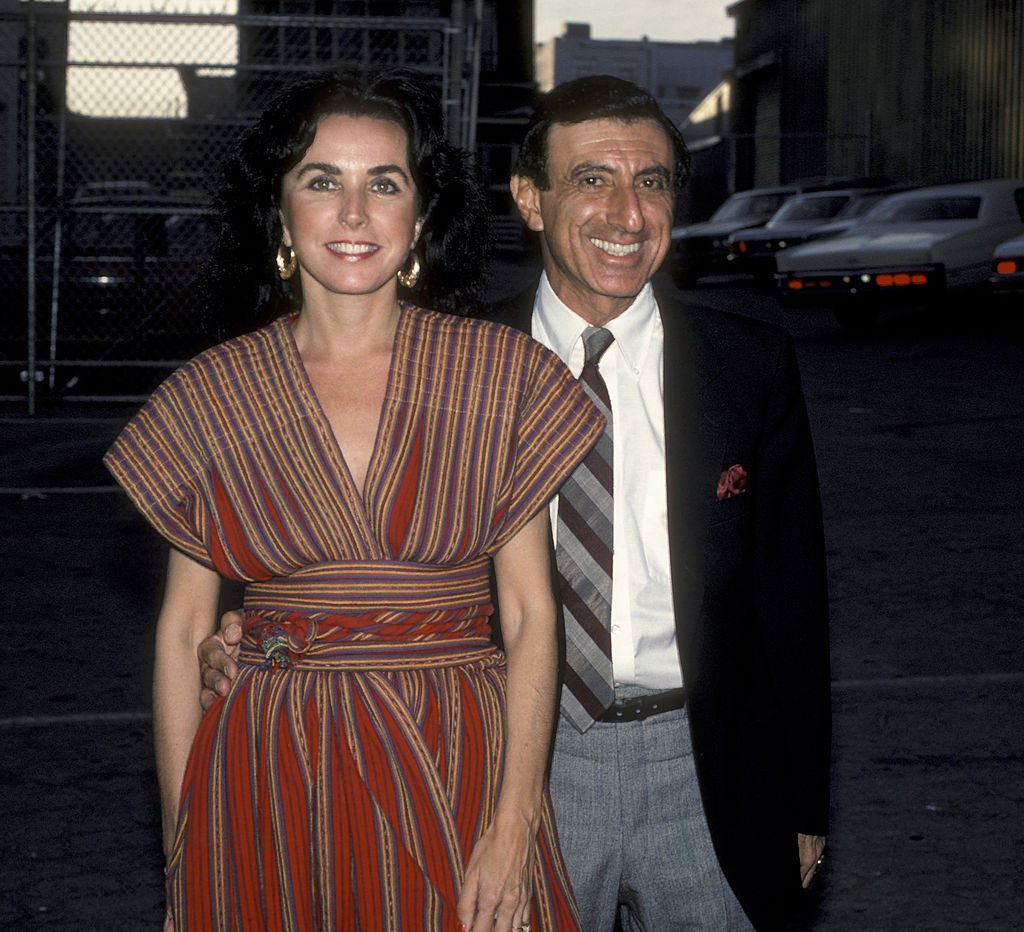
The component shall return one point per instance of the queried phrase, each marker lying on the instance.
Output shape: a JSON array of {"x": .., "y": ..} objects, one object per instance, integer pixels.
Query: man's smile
[{"x": 616, "y": 249}]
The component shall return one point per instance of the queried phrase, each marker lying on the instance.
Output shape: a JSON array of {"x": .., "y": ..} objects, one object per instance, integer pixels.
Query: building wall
[
  {"x": 957, "y": 109},
  {"x": 920, "y": 90},
  {"x": 678, "y": 74}
]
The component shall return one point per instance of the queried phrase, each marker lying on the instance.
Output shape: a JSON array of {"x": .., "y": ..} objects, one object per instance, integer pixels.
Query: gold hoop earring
[
  {"x": 409, "y": 276},
  {"x": 287, "y": 262}
]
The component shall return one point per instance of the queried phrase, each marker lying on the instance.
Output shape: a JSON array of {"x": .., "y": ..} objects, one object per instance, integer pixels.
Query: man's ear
[{"x": 527, "y": 198}]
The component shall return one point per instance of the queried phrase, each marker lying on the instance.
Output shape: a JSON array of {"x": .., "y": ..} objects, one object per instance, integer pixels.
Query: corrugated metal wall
[{"x": 918, "y": 90}]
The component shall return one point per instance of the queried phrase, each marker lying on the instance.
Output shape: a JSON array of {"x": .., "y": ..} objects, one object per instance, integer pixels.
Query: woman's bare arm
[
  {"x": 187, "y": 615},
  {"x": 498, "y": 887}
]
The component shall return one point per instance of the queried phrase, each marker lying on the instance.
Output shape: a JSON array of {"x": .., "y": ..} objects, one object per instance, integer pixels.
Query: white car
[
  {"x": 703, "y": 248},
  {"x": 1008, "y": 266},
  {"x": 914, "y": 246}
]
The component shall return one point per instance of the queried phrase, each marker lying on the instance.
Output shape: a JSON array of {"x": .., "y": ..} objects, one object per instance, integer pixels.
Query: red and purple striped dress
[{"x": 343, "y": 781}]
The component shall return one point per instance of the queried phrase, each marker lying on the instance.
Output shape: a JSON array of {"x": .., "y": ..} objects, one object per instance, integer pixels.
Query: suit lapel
[
  {"x": 697, "y": 422},
  {"x": 696, "y": 432}
]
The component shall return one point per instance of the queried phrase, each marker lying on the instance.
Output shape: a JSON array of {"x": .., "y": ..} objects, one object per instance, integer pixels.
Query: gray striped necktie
[{"x": 584, "y": 557}]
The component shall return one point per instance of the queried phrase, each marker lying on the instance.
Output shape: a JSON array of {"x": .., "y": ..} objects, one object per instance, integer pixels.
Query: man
[{"x": 690, "y": 766}]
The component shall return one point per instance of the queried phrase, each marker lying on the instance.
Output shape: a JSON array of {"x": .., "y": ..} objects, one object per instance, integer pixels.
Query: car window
[
  {"x": 928, "y": 208},
  {"x": 189, "y": 236},
  {"x": 102, "y": 234},
  {"x": 812, "y": 208},
  {"x": 754, "y": 205},
  {"x": 858, "y": 206}
]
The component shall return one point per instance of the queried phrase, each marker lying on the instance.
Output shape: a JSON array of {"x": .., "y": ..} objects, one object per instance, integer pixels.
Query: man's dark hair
[
  {"x": 241, "y": 287},
  {"x": 595, "y": 97}
]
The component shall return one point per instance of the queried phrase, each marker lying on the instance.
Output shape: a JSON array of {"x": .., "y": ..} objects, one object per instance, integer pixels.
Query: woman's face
[{"x": 349, "y": 208}]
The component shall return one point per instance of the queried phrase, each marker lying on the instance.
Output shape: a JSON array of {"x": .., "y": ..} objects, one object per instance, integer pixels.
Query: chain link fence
[{"x": 111, "y": 130}]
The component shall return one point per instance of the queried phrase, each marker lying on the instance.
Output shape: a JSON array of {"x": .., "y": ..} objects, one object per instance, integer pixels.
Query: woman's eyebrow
[
  {"x": 328, "y": 169},
  {"x": 388, "y": 170},
  {"x": 324, "y": 167}
]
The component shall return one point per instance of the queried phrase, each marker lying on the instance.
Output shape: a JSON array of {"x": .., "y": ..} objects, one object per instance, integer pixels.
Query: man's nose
[{"x": 625, "y": 211}]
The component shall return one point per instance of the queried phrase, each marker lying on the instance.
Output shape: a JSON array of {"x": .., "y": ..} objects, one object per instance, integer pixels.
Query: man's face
[{"x": 605, "y": 222}]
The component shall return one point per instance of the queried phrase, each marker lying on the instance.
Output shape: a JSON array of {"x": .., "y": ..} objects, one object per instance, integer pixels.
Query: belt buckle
[{"x": 639, "y": 708}]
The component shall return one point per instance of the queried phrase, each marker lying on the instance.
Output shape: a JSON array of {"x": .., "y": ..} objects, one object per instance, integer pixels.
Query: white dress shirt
[{"x": 643, "y": 629}]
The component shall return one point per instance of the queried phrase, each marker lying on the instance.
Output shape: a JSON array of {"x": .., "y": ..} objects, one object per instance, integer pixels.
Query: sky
[{"x": 667, "y": 20}]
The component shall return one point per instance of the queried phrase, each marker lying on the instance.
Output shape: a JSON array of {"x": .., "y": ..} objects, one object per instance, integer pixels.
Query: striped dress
[{"x": 342, "y": 782}]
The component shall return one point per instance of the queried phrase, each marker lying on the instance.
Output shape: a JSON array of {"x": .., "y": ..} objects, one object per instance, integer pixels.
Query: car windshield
[
  {"x": 94, "y": 234},
  {"x": 189, "y": 235},
  {"x": 128, "y": 232},
  {"x": 858, "y": 206},
  {"x": 927, "y": 208},
  {"x": 811, "y": 208},
  {"x": 750, "y": 205}
]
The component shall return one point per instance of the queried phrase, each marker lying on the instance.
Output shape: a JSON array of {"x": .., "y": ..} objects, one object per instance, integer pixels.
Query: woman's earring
[
  {"x": 409, "y": 274},
  {"x": 287, "y": 262}
]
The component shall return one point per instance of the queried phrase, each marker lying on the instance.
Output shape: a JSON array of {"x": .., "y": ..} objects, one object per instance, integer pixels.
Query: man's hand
[
  {"x": 217, "y": 656},
  {"x": 812, "y": 853}
]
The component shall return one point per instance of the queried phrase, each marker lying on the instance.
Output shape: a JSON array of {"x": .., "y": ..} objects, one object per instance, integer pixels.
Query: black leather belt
[{"x": 638, "y": 708}]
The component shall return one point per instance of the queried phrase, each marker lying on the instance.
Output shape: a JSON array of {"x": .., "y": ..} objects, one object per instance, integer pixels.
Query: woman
[{"x": 358, "y": 463}]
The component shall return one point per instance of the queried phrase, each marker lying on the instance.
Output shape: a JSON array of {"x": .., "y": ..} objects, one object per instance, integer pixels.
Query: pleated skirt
[{"x": 348, "y": 800}]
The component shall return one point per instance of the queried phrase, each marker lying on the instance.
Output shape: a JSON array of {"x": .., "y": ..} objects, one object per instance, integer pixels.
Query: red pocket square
[{"x": 733, "y": 481}]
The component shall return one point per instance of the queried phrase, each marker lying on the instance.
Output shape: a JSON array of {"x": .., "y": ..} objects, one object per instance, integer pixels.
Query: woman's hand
[{"x": 498, "y": 888}]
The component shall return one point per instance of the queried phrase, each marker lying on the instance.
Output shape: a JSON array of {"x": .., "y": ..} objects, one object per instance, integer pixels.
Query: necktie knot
[{"x": 595, "y": 341}]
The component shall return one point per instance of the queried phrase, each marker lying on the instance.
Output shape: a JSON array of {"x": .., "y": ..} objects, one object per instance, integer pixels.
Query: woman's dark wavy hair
[
  {"x": 241, "y": 287},
  {"x": 595, "y": 97}
]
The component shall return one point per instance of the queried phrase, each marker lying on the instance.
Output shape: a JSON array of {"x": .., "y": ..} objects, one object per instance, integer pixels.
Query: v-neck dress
[{"x": 344, "y": 779}]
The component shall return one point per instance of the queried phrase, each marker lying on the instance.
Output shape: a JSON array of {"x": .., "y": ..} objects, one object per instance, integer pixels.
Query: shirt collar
[{"x": 563, "y": 328}]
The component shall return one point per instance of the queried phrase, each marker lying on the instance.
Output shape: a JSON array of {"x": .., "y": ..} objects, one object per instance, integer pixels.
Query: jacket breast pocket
[{"x": 737, "y": 508}]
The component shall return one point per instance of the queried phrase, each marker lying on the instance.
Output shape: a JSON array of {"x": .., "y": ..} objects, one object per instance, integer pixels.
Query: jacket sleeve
[{"x": 791, "y": 591}]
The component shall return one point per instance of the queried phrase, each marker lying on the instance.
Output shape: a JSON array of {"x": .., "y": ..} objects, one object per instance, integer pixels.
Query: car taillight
[
  {"x": 1008, "y": 266},
  {"x": 900, "y": 279},
  {"x": 796, "y": 284}
]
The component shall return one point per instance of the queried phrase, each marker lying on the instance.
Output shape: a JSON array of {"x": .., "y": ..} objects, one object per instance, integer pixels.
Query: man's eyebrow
[
  {"x": 590, "y": 168},
  {"x": 659, "y": 170}
]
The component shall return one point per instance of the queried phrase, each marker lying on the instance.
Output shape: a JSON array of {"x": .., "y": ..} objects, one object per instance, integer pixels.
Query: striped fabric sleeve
[
  {"x": 158, "y": 460},
  {"x": 556, "y": 425}
]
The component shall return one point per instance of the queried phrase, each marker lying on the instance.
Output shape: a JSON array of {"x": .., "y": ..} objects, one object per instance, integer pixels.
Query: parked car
[
  {"x": 804, "y": 217},
  {"x": 920, "y": 245},
  {"x": 703, "y": 248},
  {"x": 1008, "y": 266},
  {"x": 127, "y": 264},
  {"x": 752, "y": 250}
]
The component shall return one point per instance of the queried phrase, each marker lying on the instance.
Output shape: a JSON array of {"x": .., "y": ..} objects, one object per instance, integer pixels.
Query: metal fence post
[{"x": 31, "y": 67}]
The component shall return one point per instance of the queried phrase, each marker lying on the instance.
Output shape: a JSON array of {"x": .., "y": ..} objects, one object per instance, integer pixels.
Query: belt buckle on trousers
[{"x": 637, "y": 708}]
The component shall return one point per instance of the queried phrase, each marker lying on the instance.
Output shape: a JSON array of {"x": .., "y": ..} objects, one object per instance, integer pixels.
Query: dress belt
[{"x": 637, "y": 708}]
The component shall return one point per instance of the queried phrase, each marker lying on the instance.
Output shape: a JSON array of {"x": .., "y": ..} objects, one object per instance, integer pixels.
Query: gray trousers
[{"x": 632, "y": 828}]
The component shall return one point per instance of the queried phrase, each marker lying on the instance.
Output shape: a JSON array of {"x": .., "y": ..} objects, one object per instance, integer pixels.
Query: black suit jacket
[{"x": 749, "y": 589}]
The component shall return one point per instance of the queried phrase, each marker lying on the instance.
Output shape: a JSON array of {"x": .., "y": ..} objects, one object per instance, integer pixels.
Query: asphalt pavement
[{"x": 919, "y": 429}]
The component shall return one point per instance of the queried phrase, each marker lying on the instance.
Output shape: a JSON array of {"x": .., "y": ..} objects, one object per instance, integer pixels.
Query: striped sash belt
[
  {"x": 370, "y": 616},
  {"x": 355, "y": 587}
]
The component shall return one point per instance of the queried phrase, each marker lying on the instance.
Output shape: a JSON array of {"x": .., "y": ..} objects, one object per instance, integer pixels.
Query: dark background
[{"x": 919, "y": 430}]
